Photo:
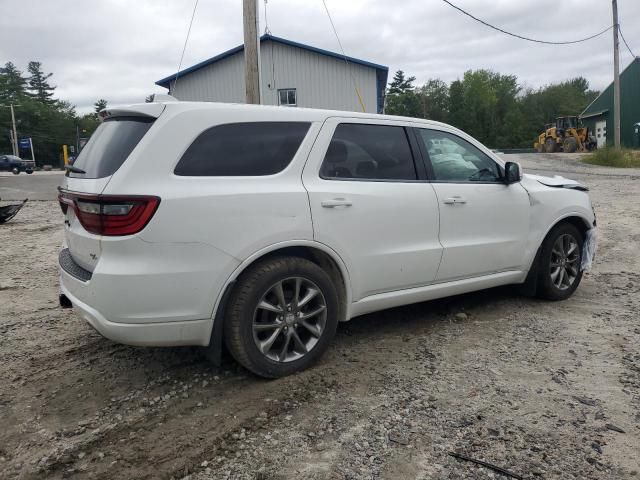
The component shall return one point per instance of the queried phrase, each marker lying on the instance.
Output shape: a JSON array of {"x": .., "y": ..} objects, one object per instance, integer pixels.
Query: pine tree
[
  {"x": 12, "y": 83},
  {"x": 100, "y": 105},
  {"x": 39, "y": 87},
  {"x": 400, "y": 84}
]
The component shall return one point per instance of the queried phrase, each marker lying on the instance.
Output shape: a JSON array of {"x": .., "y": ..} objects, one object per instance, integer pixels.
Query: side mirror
[{"x": 512, "y": 173}]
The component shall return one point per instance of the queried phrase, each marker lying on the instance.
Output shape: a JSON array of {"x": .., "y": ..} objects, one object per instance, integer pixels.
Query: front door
[
  {"x": 371, "y": 203},
  {"x": 484, "y": 224}
]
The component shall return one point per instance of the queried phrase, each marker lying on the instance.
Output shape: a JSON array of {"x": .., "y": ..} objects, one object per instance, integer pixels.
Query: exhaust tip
[{"x": 64, "y": 301}]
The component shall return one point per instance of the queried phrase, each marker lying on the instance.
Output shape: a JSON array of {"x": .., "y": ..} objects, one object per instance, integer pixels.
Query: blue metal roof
[{"x": 382, "y": 70}]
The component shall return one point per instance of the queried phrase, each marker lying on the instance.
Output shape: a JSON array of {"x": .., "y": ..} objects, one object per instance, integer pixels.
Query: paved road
[{"x": 38, "y": 186}]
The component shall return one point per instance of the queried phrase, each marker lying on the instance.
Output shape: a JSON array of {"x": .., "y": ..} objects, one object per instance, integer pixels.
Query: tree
[
  {"x": 400, "y": 84},
  {"x": 12, "y": 83},
  {"x": 100, "y": 105},
  {"x": 457, "y": 114},
  {"x": 39, "y": 87},
  {"x": 434, "y": 96}
]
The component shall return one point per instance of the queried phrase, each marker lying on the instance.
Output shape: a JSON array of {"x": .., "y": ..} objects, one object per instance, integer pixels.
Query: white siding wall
[{"x": 320, "y": 81}]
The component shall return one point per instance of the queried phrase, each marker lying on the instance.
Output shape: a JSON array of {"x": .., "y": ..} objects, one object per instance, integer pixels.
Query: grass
[{"x": 610, "y": 157}]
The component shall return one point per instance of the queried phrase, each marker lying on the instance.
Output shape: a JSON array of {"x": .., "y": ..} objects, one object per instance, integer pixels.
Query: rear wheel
[
  {"x": 282, "y": 316},
  {"x": 560, "y": 261},
  {"x": 550, "y": 145}
]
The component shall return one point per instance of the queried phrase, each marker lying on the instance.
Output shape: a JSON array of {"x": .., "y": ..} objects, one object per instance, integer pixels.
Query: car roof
[{"x": 154, "y": 109}]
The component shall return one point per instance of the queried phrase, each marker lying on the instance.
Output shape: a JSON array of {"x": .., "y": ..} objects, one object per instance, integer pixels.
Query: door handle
[
  {"x": 336, "y": 202},
  {"x": 456, "y": 199}
]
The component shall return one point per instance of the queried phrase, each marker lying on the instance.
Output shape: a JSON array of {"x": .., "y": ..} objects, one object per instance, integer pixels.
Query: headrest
[{"x": 337, "y": 152}]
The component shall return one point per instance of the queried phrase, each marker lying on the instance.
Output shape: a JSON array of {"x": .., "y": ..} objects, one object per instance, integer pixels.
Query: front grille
[{"x": 70, "y": 266}]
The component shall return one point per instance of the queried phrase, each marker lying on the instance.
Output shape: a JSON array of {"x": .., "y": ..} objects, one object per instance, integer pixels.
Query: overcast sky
[{"x": 117, "y": 49}]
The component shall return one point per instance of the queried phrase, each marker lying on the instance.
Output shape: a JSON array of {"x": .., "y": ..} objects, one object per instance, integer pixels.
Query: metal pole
[
  {"x": 251, "y": 45},
  {"x": 33, "y": 157},
  {"x": 16, "y": 152},
  {"x": 616, "y": 77}
]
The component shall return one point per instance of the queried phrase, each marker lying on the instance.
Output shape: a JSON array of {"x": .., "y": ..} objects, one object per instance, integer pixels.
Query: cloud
[{"x": 117, "y": 49}]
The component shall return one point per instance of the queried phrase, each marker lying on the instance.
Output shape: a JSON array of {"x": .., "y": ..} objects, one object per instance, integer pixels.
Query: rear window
[
  {"x": 110, "y": 145},
  {"x": 243, "y": 149}
]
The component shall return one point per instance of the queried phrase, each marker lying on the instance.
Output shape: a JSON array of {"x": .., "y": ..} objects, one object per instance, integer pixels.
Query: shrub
[{"x": 612, "y": 157}]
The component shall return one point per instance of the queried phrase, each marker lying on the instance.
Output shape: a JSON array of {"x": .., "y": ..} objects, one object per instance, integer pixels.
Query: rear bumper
[
  {"x": 165, "y": 334},
  {"x": 141, "y": 293}
]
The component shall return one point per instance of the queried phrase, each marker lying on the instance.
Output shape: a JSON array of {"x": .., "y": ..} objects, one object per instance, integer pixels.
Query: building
[
  {"x": 598, "y": 116},
  {"x": 292, "y": 74}
]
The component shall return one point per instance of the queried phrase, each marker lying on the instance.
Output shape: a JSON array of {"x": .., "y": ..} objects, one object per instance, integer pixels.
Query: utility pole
[
  {"x": 14, "y": 133},
  {"x": 616, "y": 77},
  {"x": 16, "y": 152},
  {"x": 251, "y": 46}
]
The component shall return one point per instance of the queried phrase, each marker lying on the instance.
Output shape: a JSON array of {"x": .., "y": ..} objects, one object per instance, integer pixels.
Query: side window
[
  {"x": 243, "y": 149},
  {"x": 455, "y": 160},
  {"x": 369, "y": 152}
]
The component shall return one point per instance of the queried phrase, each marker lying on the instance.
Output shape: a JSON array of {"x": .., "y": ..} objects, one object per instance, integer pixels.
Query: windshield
[{"x": 110, "y": 145}]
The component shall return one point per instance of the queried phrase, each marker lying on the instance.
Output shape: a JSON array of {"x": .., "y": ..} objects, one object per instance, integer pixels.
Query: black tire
[
  {"x": 547, "y": 286},
  {"x": 29, "y": 172},
  {"x": 569, "y": 145},
  {"x": 243, "y": 313},
  {"x": 15, "y": 171},
  {"x": 550, "y": 145}
]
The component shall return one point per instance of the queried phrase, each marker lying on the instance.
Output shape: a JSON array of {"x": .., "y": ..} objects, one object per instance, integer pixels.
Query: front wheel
[
  {"x": 550, "y": 145},
  {"x": 282, "y": 316},
  {"x": 560, "y": 263}
]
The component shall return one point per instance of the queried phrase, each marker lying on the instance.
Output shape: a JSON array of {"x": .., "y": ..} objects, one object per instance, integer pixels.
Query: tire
[
  {"x": 29, "y": 172},
  {"x": 540, "y": 148},
  {"x": 15, "y": 171},
  {"x": 249, "y": 324},
  {"x": 569, "y": 145},
  {"x": 550, "y": 145},
  {"x": 560, "y": 286}
]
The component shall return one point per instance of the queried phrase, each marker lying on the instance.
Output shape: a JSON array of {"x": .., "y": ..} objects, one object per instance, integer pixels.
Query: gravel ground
[{"x": 544, "y": 390}]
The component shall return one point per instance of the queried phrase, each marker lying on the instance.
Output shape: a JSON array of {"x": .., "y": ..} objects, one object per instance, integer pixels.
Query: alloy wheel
[
  {"x": 289, "y": 319},
  {"x": 565, "y": 261}
]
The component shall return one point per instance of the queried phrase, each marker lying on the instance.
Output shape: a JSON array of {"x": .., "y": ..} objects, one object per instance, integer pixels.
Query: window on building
[
  {"x": 243, "y": 149},
  {"x": 287, "y": 97},
  {"x": 368, "y": 152}
]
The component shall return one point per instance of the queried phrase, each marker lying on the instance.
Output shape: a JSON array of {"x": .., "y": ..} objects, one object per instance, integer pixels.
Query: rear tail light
[{"x": 110, "y": 215}]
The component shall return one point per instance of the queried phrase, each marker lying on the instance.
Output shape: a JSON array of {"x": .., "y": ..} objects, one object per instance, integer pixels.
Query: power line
[
  {"x": 346, "y": 61},
  {"x": 520, "y": 36},
  {"x": 625, "y": 42},
  {"x": 184, "y": 48}
]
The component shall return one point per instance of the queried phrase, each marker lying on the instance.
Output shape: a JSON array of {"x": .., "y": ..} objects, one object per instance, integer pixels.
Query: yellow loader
[{"x": 567, "y": 135}]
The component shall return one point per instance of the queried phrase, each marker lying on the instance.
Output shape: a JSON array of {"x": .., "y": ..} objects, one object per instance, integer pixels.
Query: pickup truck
[{"x": 11, "y": 163}]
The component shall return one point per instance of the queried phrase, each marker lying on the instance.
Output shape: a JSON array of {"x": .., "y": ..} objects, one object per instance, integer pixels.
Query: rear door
[
  {"x": 484, "y": 223},
  {"x": 371, "y": 203},
  {"x": 107, "y": 149}
]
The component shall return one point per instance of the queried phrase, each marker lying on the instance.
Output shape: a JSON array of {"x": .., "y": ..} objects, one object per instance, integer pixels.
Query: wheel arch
[
  {"x": 316, "y": 252},
  {"x": 580, "y": 222}
]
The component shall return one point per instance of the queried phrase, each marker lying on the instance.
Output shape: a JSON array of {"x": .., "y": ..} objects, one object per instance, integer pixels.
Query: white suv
[{"x": 190, "y": 223}]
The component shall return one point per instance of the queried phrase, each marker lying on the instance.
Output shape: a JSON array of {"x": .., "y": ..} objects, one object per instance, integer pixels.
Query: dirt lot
[{"x": 545, "y": 390}]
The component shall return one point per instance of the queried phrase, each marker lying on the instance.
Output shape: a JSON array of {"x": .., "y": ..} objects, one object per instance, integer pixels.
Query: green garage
[{"x": 599, "y": 115}]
